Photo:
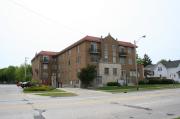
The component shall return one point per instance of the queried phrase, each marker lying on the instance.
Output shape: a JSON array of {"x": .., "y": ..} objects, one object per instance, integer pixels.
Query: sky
[{"x": 29, "y": 26}]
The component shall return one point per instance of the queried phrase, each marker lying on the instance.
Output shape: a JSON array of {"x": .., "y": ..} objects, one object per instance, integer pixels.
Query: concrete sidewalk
[{"x": 86, "y": 92}]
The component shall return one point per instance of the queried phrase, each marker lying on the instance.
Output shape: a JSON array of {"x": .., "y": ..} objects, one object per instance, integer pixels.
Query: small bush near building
[
  {"x": 38, "y": 88},
  {"x": 113, "y": 84},
  {"x": 142, "y": 82}
]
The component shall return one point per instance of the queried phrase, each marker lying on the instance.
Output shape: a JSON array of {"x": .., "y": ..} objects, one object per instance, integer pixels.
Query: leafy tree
[
  {"x": 7, "y": 75},
  {"x": 20, "y": 73},
  {"x": 146, "y": 60},
  {"x": 163, "y": 60},
  {"x": 13, "y": 74},
  {"x": 87, "y": 75},
  {"x": 139, "y": 60}
]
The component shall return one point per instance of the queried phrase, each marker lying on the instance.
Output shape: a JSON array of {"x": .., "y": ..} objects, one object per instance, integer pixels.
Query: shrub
[
  {"x": 154, "y": 81},
  {"x": 142, "y": 82},
  {"x": 167, "y": 81},
  {"x": 157, "y": 80},
  {"x": 113, "y": 84},
  {"x": 39, "y": 88},
  {"x": 35, "y": 82}
]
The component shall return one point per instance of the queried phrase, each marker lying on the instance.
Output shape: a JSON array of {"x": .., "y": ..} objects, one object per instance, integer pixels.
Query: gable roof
[
  {"x": 171, "y": 64},
  {"x": 150, "y": 67}
]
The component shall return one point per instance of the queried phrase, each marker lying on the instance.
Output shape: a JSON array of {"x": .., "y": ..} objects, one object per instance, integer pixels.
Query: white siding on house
[
  {"x": 170, "y": 73},
  {"x": 160, "y": 73}
]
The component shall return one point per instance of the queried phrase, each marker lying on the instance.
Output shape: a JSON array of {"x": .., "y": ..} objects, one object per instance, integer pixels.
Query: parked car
[
  {"x": 26, "y": 84},
  {"x": 18, "y": 84}
]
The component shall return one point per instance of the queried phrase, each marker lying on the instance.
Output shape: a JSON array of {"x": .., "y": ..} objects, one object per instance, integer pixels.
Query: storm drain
[
  {"x": 38, "y": 114},
  {"x": 169, "y": 114},
  {"x": 114, "y": 103},
  {"x": 138, "y": 107}
]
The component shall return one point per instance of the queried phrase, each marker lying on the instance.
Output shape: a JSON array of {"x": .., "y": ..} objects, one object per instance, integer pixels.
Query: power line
[{"x": 43, "y": 16}]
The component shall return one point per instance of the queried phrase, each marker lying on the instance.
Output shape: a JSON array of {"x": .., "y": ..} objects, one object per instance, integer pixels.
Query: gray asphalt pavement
[{"x": 161, "y": 104}]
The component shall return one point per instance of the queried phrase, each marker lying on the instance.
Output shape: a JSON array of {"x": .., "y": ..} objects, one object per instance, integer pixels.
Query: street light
[
  {"x": 26, "y": 58},
  {"x": 137, "y": 81}
]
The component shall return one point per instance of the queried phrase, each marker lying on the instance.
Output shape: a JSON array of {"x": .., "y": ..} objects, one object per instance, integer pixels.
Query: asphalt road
[{"x": 162, "y": 104}]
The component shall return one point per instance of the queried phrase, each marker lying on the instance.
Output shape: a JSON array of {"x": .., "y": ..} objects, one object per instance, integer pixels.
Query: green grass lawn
[
  {"x": 47, "y": 91},
  {"x": 116, "y": 89},
  {"x": 177, "y": 118}
]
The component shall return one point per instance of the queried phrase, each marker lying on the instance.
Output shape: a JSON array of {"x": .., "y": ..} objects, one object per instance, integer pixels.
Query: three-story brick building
[{"x": 114, "y": 61}]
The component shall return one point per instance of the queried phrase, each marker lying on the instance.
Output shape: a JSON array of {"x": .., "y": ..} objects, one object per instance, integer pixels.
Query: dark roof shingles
[{"x": 171, "y": 64}]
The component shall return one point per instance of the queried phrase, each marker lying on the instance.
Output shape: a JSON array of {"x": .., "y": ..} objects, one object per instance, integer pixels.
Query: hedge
[
  {"x": 157, "y": 81},
  {"x": 113, "y": 84}
]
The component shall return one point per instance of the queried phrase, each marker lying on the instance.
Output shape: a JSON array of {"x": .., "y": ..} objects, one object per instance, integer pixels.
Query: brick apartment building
[{"x": 114, "y": 61}]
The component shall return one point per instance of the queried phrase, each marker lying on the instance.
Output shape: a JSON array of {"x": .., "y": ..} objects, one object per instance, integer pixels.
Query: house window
[
  {"x": 106, "y": 71},
  {"x": 114, "y": 71},
  {"x": 130, "y": 61},
  {"x": 122, "y": 60},
  {"x": 45, "y": 66},
  {"x": 159, "y": 68},
  {"x": 45, "y": 59}
]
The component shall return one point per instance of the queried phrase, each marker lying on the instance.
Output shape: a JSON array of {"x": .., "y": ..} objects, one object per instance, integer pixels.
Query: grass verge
[
  {"x": 116, "y": 89},
  {"x": 47, "y": 91},
  {"x": 57, "y": 94}
]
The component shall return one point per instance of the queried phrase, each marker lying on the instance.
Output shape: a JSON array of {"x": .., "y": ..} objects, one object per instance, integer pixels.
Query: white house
[{"x": 167, "y": 69}]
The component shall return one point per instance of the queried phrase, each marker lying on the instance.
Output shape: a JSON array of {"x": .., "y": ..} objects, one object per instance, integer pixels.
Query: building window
[
  {"x": 94, "y": 58},
  {"x": 54, "y": 67},
  {"x": 114, "y": 71},
  {"x": 114, "y": 53},
  {"x": 78, "y": 59},
  {"x": 69, "y": 52},
  {"x": 45, "y": 75},
  {"x": 105, "y": 52},
  {"x": 114, "y": 59},
  {"x": 122, "y": 60},
  {"x": 93, "y": 46},
  {"x": 130, "y": 61},
  {"x": 78, "y": 49},
  {"x": 45, "y": 66},
  {"x": 131, "y": 73},
  {"x": 45, "y": 59},
  {"x": 129, "y": 50},
  {"x": 69, "y": 62},
  {"x": 121, "y": 49},
  {"x": 106, "y": 71},
  {"x": 159, "y": 68}
]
